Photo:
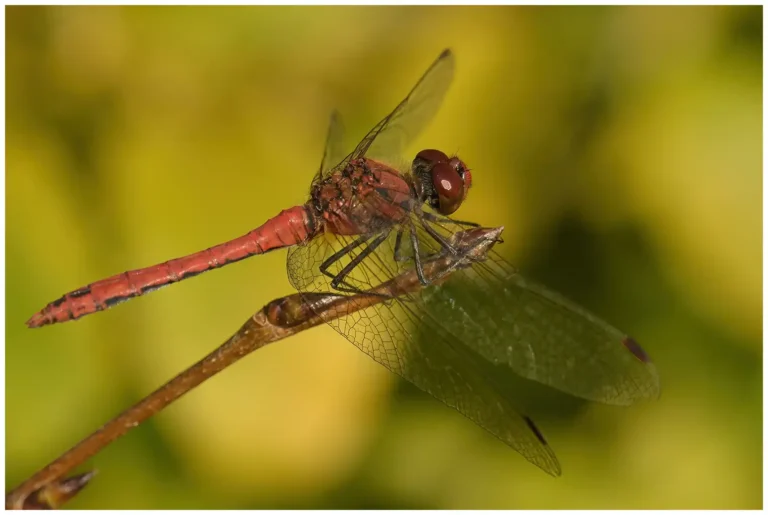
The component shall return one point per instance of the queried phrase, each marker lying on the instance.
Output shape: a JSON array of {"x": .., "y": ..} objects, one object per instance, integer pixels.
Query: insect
[{"x": 367, "y": 220}]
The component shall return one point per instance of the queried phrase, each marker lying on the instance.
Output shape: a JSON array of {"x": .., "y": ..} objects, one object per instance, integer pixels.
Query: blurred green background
[{"x": 620, "y": 147}]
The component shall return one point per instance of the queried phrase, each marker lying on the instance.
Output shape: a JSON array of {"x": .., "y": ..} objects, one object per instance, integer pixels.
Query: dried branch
[{"x": 279, "y": 319}]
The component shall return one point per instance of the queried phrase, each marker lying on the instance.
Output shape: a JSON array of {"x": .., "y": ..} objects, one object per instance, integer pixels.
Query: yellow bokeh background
[{"x": 619, "y": 146}]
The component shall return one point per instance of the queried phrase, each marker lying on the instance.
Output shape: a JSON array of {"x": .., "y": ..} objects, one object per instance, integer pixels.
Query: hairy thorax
[{"x": 365, "y": 197}]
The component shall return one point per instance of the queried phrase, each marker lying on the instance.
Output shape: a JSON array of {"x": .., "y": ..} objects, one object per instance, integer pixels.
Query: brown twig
[{"x": 279, "y": 319}]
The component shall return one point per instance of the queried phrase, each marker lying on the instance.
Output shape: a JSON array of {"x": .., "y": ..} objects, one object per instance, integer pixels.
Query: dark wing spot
[
  {"x": 80, "y": 293},
  {"x": 635, "y": 348},
  {"x": 535, "y": 430}
]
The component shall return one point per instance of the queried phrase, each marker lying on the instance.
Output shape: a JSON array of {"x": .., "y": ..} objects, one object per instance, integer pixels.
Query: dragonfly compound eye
[
  {"x": 449, "y": 188},
  {"x": 429, "y": 158},
  {"x": 461, "y": 168}
]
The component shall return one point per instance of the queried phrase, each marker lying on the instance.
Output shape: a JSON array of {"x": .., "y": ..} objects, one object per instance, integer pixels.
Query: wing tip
[{"x": 551, "y": 465}]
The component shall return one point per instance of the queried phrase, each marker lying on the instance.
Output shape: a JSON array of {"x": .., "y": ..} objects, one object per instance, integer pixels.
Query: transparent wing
[
  {"x": 388, "y": 139},
  {"x": 496, "y": 313},
  {"x": 537, "y": 333},
  {"x": 400, "y": 335},
  {"x": 333, "y": 154}
]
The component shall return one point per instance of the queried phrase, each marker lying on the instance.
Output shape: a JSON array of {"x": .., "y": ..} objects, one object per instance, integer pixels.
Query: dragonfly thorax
[
  {"x": 442, "y": 182},
  {"x": 364, "y": 197}
]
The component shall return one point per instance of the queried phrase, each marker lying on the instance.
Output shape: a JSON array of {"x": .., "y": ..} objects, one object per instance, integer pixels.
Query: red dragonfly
[{"x": 369, "y": 219}]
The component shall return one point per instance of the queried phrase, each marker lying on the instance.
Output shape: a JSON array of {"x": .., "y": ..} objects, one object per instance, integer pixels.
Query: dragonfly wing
[
  {"x": 537, "y": 333},
  {"x": 401, "y": 336},
  {"x": 333, "y": 154},
  {"x": 389, "y": 138}
]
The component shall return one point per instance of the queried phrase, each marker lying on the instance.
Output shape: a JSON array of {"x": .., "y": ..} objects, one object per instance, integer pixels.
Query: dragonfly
[{"x": 371, "y": 215}]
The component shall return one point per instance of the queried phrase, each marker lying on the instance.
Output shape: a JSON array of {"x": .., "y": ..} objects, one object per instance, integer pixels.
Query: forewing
[
  {"x": 333, "y": 154},
  {"x": 408, "y": 341},
  {"x": 389, "y": 138},
  {"x": 539, "y": 334}
]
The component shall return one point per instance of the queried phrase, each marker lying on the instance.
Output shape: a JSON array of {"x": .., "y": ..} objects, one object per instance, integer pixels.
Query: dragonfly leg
[
  {"x": 442, "y": 241},
  {"x": 436, "y": 218},
  {"x": 416, "y": 254},
  {"x": 339, "y": 282},
  {"x": 340, "y": 254},
  {"x": 399, "y": 257},
  {"x": 417, "y": 258},
  {"x": 462, "y": 257}
]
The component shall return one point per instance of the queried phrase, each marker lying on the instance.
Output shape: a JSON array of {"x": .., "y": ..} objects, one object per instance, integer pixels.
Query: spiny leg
[
  {"x": 340, "y": 254},
  {"x": 461, "y": 257},
  {"x": 437, "y": 237},
  {"x": 399, "y": 257},
  {"x": 339, "y": 283},
  {"x": 437, "y": 218},
  {"x": 417, "y": 258}
]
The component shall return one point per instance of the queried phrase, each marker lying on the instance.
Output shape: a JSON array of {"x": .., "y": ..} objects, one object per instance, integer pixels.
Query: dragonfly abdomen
[{"x": 290, "y": 227}]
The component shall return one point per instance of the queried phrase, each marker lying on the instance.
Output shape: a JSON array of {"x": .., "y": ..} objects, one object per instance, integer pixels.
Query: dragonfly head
[{"x": 444, "y": 181}]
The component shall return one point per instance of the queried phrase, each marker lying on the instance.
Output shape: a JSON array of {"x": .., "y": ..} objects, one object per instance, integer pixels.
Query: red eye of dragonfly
[
  {"x": 445, "y": 181},
  {"x": 449, "y": 188},
  {"x": 461, "y": 168},
  {"x": 429, "y": 158}
]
